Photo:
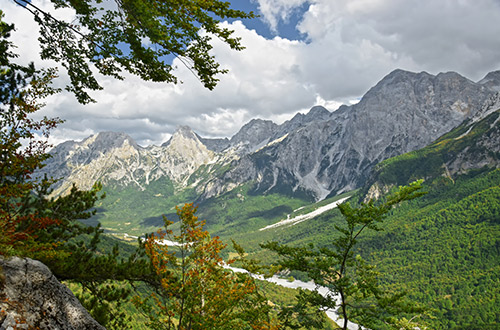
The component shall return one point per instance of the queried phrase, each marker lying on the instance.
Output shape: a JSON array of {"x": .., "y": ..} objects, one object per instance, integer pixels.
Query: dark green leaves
[{"x": 346, "y": 275}]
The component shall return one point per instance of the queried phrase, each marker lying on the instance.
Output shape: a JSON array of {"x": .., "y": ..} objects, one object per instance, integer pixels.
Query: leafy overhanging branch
[{"x": 137, "y": 36}]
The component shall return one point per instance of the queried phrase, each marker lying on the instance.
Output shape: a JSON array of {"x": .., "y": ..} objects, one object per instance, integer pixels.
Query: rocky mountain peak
[
  {"x": 491, "y": 81},
  {"x": 405, "y": 111},
  {"x": 318, "y": 113},
  {"x": 217, "y": 144},
  {"x": 106, "y": 141},
  {"x": 491, "y": 105},
  {"x": 181, "y": 155},
  {"x": 253, "y": 135},
  {"x": 399, "y": 76},
  {"x": 318, "y": 153},
  {"x": 186, "y": 132},
  {"x": 182, "y": 133},
  {"x": 185, "y": 141}
]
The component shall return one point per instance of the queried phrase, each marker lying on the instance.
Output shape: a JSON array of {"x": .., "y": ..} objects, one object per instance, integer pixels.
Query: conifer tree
[
  {"x": 352, "y": 284},
  {"x": 109, "y": 35},
  {"x": 33, "y": 224}
]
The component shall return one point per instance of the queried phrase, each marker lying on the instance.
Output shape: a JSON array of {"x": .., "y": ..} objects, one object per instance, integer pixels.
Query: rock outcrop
[
  {"x": 116, "y": 160},
  {"x": 32, "y": 298}
]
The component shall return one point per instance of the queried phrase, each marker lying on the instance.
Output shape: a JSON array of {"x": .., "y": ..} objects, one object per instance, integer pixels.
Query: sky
[{"x": 299, "y": 53}]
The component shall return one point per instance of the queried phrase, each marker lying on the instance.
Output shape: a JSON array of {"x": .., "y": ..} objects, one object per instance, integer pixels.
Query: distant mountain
[
  {"x": 444, "y": 247},
  {"x": 313, "y": 155},
  {"x": 491, "y": 81},
  {"x": 253, "y": 136},
  {"x": 335, "y": 153},
  {"x": 473, "y": 145},
  {"x": 116, "y": 160}
]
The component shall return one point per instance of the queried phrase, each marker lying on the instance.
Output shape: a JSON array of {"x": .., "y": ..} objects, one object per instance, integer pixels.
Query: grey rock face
[
  {"x": 403, "y": 112},
  {"x": 491, "y": 81},
  {"x": 318, "y": 154},
  {"x": 183, "y": 132},
  {"x": 34, "y": 298},
  {"x": 216, "y": 145},
  {"x": 253, "y": 135},
  {"x": 69, "y": 154},
  {"x": 317, "y": 113},
  {"x": 115, "y": 159},
  {"x": 485, "y": 149}
]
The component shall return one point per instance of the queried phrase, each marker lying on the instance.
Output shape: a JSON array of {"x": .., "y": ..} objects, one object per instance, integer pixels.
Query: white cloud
[
  {"x": 418, "y": 35},
  {"x": 351, "y": 45},
  {"x": 274, "y": 11}
]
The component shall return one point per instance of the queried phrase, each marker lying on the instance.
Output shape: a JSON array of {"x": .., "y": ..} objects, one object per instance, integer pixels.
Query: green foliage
[
  {"x": 197, "y": 292},
  {"x": 444, "y": 250},
  {"x": 137, "y": 36},
  {"x": 114, "y": 308},
  {"x": 279, "y": 296},
  {"x": 33, "y": 224},
  {"x": 337, "y": 268},
  {"x": 135, "y": 212},
  {"x": 129, "y": 210},
  {"x": 429, "y": 162},
  {"x": 238, "y": 211},
  {"x": 24, "y": 213}
]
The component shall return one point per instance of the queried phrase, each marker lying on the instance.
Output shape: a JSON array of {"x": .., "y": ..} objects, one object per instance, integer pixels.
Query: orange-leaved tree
[
  {"x": 198, "y": 290},
  {"x": 31, "y": 225}
]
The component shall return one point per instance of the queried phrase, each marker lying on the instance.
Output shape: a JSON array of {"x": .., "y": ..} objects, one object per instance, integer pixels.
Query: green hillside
[
  {"x": 466, "y": 141},
  {"x": 443, "y": 248}
]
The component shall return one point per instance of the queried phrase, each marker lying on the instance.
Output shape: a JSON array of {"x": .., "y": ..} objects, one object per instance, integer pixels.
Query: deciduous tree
[
  {"x": 198, "y": 292},
  {"x": 33, "y": 224}
]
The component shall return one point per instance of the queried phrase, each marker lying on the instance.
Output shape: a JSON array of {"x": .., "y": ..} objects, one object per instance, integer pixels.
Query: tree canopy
[
  {"x": 351, "y": 283},
  {"x": 197, "y": 291},
  {"x": 138, "y": 36}
]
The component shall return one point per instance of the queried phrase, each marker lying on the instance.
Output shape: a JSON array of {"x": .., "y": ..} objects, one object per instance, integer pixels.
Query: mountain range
[
  {"x": 315, "y": 155},
  {"x": 442, "y": 248}
]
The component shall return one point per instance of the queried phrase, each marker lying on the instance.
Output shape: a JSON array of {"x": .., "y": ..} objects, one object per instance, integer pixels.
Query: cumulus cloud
[
  {"x": 274, "y": 11},
  {"x": 435, "y": 36},
  {"x": 350, "y": 45}
]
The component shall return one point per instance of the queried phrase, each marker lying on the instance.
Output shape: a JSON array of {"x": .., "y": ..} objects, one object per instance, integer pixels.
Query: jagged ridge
[{"x": 317, "y": 154}]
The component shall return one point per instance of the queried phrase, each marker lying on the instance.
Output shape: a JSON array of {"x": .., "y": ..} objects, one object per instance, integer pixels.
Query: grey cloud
[{"x": 352, "y": 45}]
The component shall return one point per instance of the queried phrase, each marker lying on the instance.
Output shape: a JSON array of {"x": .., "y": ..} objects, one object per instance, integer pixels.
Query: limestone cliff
[
  {"x": 405, "y": 111},
  {"x": 317, "y": 154},
  {"x": 115, "y": 159}
]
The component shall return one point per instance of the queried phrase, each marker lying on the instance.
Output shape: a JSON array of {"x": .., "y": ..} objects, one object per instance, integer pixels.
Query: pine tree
[
  {"x": 33, "y": 224},
  {"x": 352, "y": 284}
]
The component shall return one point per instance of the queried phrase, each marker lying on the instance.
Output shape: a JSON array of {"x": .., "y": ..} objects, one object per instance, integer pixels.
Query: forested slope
[{"x": 444, "y": 248}]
